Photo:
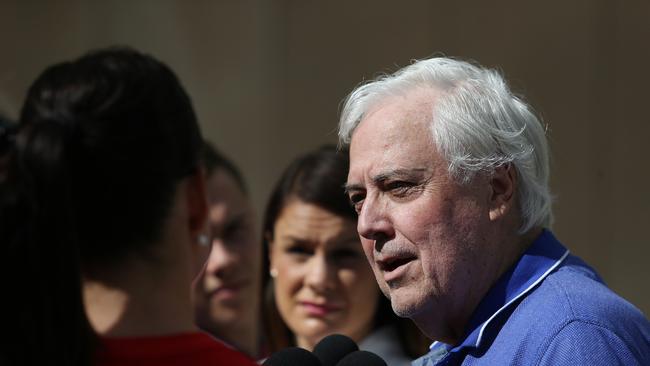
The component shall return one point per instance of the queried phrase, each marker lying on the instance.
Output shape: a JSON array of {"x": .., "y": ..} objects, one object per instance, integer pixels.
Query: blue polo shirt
[{"x": 550, "y": 308}]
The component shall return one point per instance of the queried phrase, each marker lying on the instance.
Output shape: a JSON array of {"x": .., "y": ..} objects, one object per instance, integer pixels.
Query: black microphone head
[
  {"x": 362, "y": 358},
  {"x": 292, "y": 356},
  {"x": 333, "y": 348}
]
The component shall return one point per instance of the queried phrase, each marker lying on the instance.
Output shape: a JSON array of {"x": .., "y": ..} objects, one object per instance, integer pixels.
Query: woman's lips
[{"x": 315, "y": 309}]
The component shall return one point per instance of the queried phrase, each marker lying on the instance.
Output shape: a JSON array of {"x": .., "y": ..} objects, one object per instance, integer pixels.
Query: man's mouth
[
  {"x": 389, "y": 264},
  {"x": 228, "y": 290}
]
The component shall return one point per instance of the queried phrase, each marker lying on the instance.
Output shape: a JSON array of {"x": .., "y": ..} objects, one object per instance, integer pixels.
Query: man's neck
[
  {"x": 450, "y": 331},
  {"x": 244, "y": 335}
]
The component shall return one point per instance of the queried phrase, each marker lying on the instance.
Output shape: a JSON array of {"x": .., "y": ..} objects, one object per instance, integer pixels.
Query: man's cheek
[
  {"x": 367, "y": 246},
  {"x": 383, "y": 286}
]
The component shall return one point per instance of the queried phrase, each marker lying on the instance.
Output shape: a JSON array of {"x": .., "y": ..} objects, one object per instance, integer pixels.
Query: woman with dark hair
[
  {"x": 319, "y": 281},
  {"x": 102, "y": 204}
]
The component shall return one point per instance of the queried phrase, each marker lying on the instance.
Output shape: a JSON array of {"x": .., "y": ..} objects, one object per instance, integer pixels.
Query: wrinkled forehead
[
  {"x": 309, "y": 222},
  {"x": 407, "y": 104},
  {"x": 394, "y": 132}
]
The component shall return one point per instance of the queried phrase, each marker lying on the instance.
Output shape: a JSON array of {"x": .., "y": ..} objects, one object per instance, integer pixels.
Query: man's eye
[
  {"x": 399, "y": 188},
  {"x": 233, "y": 230},
  {"x": 356, "y": 200}
]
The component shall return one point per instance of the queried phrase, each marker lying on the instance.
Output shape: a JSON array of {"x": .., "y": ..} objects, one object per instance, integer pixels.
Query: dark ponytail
[
  {"x": 41, "y": 282},
  {"x": 87, "y": 179}
]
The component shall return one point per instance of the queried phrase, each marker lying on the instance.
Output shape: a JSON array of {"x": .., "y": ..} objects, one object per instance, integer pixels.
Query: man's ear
[
  {"x": 197, "y": 202},
  {"x": 503, "y": 184}
]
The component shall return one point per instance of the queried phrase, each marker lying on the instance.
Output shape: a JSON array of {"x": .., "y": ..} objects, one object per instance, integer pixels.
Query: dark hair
[
  {"x": 318, "y": 177},
  {"x": 101, "y": 145},
  {"x": 39, "y": 275},
  {"x": 214, "y": 159},
  {"x": 6, "y": 126},
  {"x": 121, "y": 127},
  {"x": 7, "y": 138}
]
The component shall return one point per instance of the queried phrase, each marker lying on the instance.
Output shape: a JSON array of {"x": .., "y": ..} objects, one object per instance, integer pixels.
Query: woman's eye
[
  {"x": 346, "y": 253},
  {"x": 298, "y": 250}
]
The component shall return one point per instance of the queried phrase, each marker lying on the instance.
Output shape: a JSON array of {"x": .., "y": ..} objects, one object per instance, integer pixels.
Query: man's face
[
  {"x": 227, "y": 292},
  {"x": 422, "y": 233}
]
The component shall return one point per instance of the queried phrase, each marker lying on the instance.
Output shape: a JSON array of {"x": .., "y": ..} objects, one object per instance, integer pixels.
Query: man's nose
[
  {"x": 374, "y": 222},
  {"x": 221, "y": 259}
]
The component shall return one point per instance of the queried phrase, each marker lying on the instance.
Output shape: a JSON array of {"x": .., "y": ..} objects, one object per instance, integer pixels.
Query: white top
[{"x": 385, "y": 343}]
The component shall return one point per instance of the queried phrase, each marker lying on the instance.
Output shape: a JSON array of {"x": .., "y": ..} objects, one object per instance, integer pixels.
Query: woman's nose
[{"x": 320, "y": 274}]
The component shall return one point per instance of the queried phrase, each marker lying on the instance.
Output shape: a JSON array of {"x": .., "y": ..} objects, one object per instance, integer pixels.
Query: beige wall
[{"x": 267, "y": 78}]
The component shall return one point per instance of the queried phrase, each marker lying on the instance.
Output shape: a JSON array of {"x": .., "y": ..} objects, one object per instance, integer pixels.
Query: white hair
[{"x": 477, "y": 125}]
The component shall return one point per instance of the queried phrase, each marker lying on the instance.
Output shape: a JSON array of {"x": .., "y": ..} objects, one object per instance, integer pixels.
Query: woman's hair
[
  {"x": 318, "y": 178},
  {"x": 88, "y": 178}
]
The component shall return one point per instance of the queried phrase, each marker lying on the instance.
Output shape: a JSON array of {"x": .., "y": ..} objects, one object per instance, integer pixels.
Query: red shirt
[{"x": 174, "y": 350}]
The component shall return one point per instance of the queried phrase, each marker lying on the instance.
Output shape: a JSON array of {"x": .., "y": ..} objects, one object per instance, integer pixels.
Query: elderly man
[{"x": 449, "y": 175}]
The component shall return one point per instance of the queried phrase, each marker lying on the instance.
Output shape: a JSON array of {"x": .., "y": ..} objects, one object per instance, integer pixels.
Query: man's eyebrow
[
  {"x": 377, "y": 179},
  {"x": 237, "y": 217},
  {"x": 348, "y": 187},
  {"x": 381, "y": 177}
]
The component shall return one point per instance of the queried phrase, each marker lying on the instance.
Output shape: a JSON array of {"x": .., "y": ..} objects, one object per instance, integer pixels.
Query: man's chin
[
  {"x": 405, "y": 304},
  {"x": 403, "y": 310},
  {"x": 226, "y": 316}
]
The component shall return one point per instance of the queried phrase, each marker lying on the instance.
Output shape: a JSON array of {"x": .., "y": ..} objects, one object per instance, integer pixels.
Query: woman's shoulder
[{"x": 385, "y": 343}]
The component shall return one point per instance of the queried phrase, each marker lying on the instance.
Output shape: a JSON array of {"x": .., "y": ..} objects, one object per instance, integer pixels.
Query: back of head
[
  {"x": 121, "y": 129},
  {"x": 88, "y": 176},
  {"x": 477, "y": 124}
]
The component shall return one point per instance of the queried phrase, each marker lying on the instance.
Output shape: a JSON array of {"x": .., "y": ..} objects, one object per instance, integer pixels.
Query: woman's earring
[
  {"x": 203, "y": 240},
  {"x": 273, "y": 272}
]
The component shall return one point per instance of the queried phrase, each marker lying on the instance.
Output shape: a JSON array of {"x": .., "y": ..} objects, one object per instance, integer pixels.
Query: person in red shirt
[{"x": 104, "y": 192}]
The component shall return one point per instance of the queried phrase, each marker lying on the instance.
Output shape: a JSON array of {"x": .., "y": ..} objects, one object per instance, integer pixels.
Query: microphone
[
  {"x": 292, "y": 356},
  {"x": 333, "y": 348},
  {"x": 362, "y": 358}
]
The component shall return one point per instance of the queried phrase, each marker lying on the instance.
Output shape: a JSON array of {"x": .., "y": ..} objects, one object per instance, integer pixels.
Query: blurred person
[
  {"x": 102, "y": 204},
  {"x": 7, "y": 127},
  {"x": 227, "y": 294},
  {"x": 319, "y": 282},
  {"x": 449, "y": 176}
]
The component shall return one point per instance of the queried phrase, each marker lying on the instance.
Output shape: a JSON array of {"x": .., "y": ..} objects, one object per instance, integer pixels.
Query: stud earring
[
  {"x": 273, "y": 272},
  {"x": 203, "y": 240}
]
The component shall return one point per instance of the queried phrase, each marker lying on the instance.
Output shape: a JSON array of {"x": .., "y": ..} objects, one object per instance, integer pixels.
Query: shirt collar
[{"x": 541, "y": 258}]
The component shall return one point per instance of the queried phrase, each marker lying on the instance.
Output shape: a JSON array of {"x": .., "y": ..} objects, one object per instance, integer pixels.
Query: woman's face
[{"x": 322, "y": 281}]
